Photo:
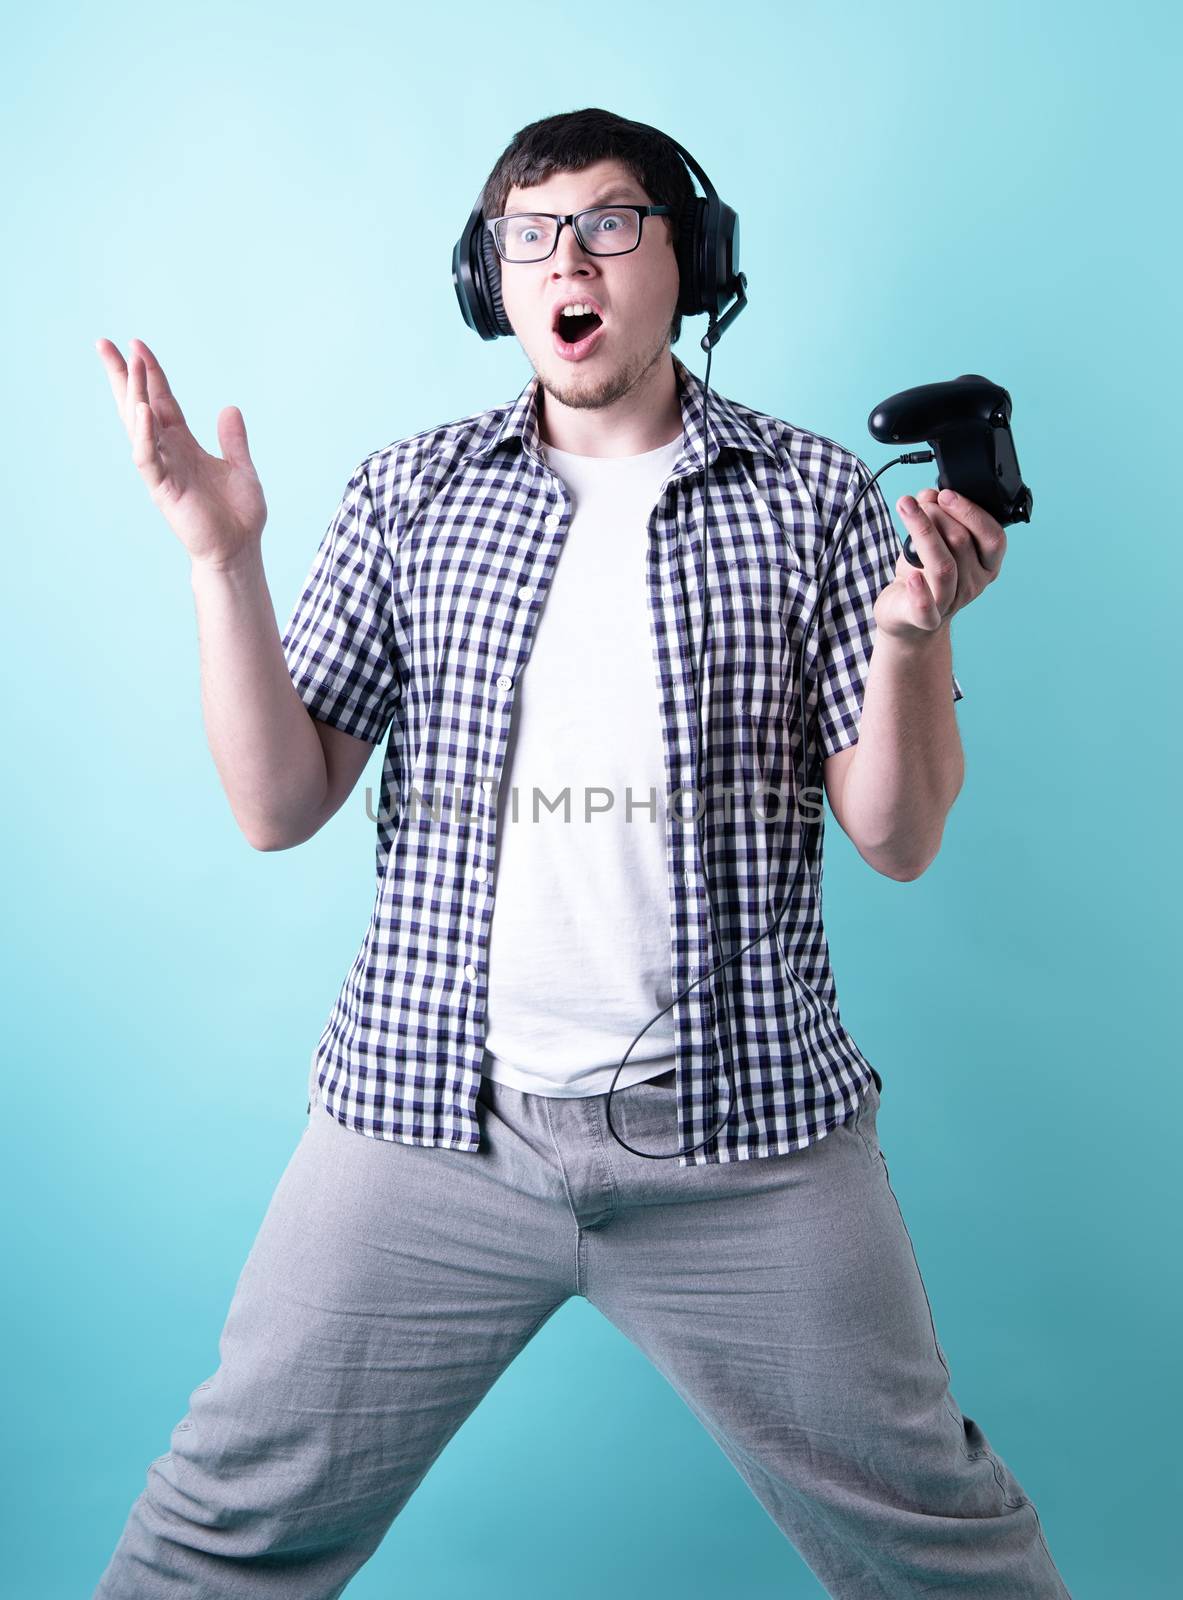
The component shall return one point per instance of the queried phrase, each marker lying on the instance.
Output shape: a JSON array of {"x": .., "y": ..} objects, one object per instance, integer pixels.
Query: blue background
[{"x": 269, "y": 196}]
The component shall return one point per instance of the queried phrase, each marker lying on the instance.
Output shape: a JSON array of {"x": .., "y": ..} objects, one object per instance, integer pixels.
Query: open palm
[{"x": 214, "y": 504}]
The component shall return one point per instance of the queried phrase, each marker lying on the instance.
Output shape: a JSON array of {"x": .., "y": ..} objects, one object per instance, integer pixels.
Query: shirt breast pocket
[{"x": 755, "y": 633}]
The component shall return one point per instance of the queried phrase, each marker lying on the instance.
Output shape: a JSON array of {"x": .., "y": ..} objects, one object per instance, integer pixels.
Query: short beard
[{"x": 594, "y": 397}]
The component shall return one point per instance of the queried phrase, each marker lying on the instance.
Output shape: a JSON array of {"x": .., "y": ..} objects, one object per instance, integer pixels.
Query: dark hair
[{"x": 573, "y": 140}]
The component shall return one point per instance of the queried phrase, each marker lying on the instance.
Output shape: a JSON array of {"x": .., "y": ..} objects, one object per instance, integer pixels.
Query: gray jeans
[{"x": 390, "y": 1284}]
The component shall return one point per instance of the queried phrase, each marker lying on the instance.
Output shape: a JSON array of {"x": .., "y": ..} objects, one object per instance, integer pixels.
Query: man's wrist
[
  {"x": 919, "y": 644},
  {"x": 246, "y": 564}
]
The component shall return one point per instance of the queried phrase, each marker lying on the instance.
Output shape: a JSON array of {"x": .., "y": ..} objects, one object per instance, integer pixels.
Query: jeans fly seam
[{"x": 579, "y": 1285}]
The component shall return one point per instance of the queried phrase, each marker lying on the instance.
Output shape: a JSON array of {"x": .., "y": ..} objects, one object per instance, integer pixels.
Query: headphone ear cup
[
  {"x": 725, "y": 266},
  {"x": 690, "y": 255},
  {"x": 490, "y": 289}
]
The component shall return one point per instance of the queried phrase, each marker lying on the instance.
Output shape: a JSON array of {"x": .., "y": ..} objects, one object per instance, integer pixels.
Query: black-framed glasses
[{"x": 601, "y": 230}]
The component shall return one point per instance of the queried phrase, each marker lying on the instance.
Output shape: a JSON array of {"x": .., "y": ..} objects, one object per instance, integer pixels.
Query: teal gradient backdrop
[{"x": 924, "y": 190}]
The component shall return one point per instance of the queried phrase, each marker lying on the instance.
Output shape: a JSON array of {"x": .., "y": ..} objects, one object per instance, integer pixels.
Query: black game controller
[{"x": 967, "y": 423}]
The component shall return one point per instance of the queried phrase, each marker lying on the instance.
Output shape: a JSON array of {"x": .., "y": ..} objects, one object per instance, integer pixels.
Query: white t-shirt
[{"x": 579, "y": 946}]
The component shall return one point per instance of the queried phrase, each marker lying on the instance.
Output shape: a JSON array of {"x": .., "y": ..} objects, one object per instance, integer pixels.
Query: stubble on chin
[{"x": 582, "y": 394}]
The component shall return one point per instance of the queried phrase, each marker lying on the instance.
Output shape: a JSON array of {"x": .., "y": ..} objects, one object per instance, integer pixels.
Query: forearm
[
  {"x": 908, "y": 766},
  {"x": 262, "y": 738}
]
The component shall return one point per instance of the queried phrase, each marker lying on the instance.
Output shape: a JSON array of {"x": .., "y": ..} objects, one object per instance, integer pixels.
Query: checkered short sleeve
[
  {"x": 866, "y": 564},
  {"x": 339, "y": 642}
]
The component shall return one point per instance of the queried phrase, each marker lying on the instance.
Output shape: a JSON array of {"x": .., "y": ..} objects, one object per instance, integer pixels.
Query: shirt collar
[{"x": 725, "y": 425}]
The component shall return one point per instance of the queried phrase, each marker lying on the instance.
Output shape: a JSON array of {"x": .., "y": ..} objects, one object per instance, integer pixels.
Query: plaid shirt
[{"x": 417, "y": 618}]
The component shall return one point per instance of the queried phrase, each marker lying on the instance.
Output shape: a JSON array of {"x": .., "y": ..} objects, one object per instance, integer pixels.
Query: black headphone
[{"x": 707, "y": 249}]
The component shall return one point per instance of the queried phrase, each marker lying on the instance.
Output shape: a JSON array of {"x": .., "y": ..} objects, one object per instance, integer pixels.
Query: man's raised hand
[{"x": 214, "y": 504}]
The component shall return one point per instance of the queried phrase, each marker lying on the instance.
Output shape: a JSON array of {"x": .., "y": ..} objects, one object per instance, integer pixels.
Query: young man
[{"x": 517, "y": 597}]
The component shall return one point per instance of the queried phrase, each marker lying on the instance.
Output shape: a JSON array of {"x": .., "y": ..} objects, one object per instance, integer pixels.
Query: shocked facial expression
[{"x": 633, "y": 296}]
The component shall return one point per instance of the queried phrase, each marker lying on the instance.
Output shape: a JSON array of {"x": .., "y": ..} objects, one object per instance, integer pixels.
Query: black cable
[{"x": 916, "y": 456}]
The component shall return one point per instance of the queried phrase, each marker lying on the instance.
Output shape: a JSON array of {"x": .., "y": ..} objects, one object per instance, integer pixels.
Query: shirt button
[
  {"x": 470, "y": 971},
  {"x": 553, "y": 519},
  {"x": 525, "y": 592},
  {"x": 504, "y": 683},
  {"x": 480, "y": 874}
]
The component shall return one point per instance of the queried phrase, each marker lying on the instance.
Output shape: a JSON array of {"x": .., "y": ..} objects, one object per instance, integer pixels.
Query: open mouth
[
  {"x": 573, "y": 329},
  {"x": 577, "y": 336}
]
